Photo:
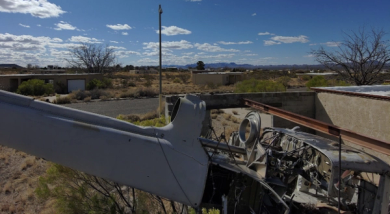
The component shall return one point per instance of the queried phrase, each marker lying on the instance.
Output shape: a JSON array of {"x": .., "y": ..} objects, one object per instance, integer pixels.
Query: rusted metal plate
[{"x": 347, "y": 135}]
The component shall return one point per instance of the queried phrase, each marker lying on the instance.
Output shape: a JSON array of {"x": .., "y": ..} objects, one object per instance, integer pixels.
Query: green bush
[
  {"x": 99, "y": 84},
  {"x": 253, "y": 85},
  {"x": 320, "y": 81},
  {"x": 35, "y": 87},
  {"x": 176, "y": 80},
  {"x": 284, "y": 80}
]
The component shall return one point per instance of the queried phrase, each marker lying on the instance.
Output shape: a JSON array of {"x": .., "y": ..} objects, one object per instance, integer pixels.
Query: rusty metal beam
[{"x": 348, "y": 135}]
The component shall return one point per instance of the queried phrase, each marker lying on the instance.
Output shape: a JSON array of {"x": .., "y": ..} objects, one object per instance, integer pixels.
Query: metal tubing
[
  {"x": 222, "y": 146},
  {"x": 348, "y": 135},
  {"x": 160, "y": 94}
]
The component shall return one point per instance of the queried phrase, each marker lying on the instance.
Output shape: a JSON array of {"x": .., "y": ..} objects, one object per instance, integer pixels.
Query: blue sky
[{"x": 258, "y": 32}]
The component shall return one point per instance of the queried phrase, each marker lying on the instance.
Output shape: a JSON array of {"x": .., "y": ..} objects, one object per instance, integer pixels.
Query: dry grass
[
  {"x": 224, "y": 123},
  {"x": 172, "y": 83},
  {"x": 19, "y": 174}
]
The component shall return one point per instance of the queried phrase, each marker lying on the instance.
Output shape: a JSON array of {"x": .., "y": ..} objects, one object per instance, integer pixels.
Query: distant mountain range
[{"x": 248, "y": 66}]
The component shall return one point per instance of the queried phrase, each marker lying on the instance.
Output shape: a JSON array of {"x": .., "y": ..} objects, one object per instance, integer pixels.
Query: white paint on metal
[{"x": 167, "y": 161}]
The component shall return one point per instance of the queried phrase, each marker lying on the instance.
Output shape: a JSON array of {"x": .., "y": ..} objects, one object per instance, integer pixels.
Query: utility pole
[{"x": 160, "y": 96}]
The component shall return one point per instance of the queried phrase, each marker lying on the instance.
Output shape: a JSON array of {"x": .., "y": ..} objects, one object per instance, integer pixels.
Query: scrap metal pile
[{"x": 267, "y": 171}]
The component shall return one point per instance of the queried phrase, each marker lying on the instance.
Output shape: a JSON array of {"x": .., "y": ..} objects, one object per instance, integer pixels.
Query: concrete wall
[
  {"x": 367, "y": 116},
  {"x": 203, "y": 79},
  {"x": 298, "y": 102},
  {"x": 217, "y": 79}
]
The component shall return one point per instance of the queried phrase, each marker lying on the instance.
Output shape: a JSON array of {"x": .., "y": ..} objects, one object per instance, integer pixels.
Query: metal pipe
[
  {"x": 160, "y": 94},
  {"x": 221, "y": 146},
  {"x": 348, "y": 135}
]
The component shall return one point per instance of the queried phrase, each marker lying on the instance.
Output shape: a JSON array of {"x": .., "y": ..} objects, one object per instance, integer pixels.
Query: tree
[
  {"x": 95, "y": 58},
  {"x": 200, "y": 65},
  {"x": 359, "y": 58}
]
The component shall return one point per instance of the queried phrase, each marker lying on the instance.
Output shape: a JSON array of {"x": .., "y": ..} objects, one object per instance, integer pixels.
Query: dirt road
[{"x": 116, "y": 107}]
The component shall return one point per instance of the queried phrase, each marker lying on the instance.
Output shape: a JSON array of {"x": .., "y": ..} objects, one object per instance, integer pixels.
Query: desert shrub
[
  {"x": 79, "y": 95},
  {"x": 169, "y": 76},
  {"x": 217, "y": 111},
  {"x": 148, "y": 119},
  {"x": 60, "y": 87},
  {"x": 104, "y": 98},
  {"x": 305, "y": 78},
  {"x": 148, "y": 83},
  {"x": 205, "y": 211},
  {"x": 97, "y": 93},
  {"x": 253, "y": 85},
  {"x": 99, "y": 84},
  {"x": 211, "y": 85},
  {"x": 140, "y": 92},
  {"x": 146, "y": 92},
  {"x": 131, "y": 84},
  {"x": 87, "y": 99},
  {"x": 126, "y": 94},
  {"x": 184, "y": 77},
  {"x": 176, "y": 80},
  {"x": 107, "y": 82},
  {"x": 148, "y": 77},
  {"x": 284, "y": 80},
  {"x": 320, "y": 81},
  {"x": 35, "y": 87},
  {"x": 62, "y": 100}
]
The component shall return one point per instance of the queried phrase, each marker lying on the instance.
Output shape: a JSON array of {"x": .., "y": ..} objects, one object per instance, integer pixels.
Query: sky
[{"x": 257, "y": 32}]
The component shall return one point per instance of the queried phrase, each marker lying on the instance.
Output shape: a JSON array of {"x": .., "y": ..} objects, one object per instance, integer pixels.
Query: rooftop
[{"x": 377, "y": 91}]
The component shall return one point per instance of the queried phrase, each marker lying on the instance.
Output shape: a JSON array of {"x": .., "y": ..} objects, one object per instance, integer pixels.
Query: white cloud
[
  {"x": 235, "y": 43},
  {"x": 125, "y": 33},
  {"x": 183, "y": 44},
  {"x": 270, "y": 42},
  {"x": 37, "y": 8},
  {"x": 39, "y": 25},
  {"x": 251, "y": 54},
  {"x": 331, "y": 44},
  {"x": 265, "y": 33},
  {"x": 26, "y": 26},
  {"x": 23, "y": 49},
  {"x": 290, "y": 39},
  {"x": 254, "y": 14},
  {"x": 213, "y": 48},
  {"x": 114, "y": 42},
  {"x": 124, "y": 54},
  {"x": 195, "y": 0},
  {"x": 117, "y": 47},
  {"x": 173, "y": 30},
  {"x": 84, "y": 39},
  {"x": 309, "y": 56},
  {"x": 64, "y": 26},
  {"x": 277, "y": 40},
  {"x": 119, "y": 27},
  {"x": 313, "y": 44}
]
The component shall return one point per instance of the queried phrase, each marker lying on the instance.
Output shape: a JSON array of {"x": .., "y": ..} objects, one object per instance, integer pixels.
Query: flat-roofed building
[{"x": 62, "y": 82}]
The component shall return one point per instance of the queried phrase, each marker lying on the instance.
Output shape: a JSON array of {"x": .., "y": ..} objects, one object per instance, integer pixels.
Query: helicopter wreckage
[{"x": 255, "y": 171}]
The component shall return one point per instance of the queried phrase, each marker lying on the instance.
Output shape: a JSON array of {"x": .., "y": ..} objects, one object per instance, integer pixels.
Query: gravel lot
[{"x": 116, "y": 107}]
